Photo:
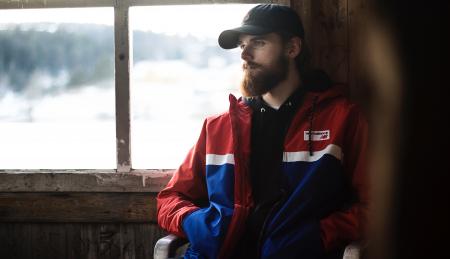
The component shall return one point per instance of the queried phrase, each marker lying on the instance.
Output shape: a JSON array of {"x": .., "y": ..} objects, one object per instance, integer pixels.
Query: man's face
[{"x": 265, "y": 63}]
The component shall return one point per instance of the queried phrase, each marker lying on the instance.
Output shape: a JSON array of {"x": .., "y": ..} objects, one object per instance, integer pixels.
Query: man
[{"x": 282, "y": 173}]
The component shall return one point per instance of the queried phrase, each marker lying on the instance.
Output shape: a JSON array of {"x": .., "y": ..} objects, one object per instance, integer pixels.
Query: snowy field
[{"x": 76, "y": 129}]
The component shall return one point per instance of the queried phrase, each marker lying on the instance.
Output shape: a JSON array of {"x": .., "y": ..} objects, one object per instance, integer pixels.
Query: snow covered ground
[{"x": 76, "y": 129}]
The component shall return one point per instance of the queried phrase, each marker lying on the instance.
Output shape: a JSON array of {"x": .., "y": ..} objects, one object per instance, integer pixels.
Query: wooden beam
[
  {"x": 303, "y": 8},
  {"x": 77, "y": 207},
  {"x": 24, "y": 4},
  {"x": 123, "y": 61},
  {"x": 28, "y": 4},
  {"x": 82, "y": 181},
  {"x": 358, "y": 30},
  {"x": 328, "y": 38},
  {"x": 184, "y": 2}
]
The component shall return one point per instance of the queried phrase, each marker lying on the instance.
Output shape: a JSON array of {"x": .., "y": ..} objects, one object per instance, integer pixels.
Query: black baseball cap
[{"x": 263, "y": 19}]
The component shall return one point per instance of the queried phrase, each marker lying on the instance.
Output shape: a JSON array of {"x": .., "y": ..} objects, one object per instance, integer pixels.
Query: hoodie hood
[{"x": 316, "y": 80}]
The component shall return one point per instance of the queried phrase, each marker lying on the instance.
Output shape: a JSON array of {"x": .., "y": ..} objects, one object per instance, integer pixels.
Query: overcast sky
[{"x": 198, "y": 20}]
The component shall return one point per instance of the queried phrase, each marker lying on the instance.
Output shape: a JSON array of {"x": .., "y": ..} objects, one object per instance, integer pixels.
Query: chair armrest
[
  {"x": 353, "y": 251},
  {"x": 170, "y": 246}
]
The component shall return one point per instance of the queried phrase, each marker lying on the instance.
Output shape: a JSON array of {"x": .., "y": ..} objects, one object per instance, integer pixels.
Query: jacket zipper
[
  {"x": 266, "y": 221},
  {"x": 238, "y": 155}
]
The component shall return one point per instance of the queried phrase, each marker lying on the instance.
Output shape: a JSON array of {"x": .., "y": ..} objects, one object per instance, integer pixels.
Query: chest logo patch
[{"x": 318, "y": 135}]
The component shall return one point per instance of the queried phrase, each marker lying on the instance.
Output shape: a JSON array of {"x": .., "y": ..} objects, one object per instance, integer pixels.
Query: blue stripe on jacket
[
  {"x": 314, "y": 190},
  {"x": 206, "y": 227}
]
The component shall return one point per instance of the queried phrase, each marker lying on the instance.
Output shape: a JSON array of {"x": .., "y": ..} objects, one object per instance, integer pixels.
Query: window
[
  {"x": 57, "y": 88},
  {"x": 115, "y": 151},
  {"x": 180, "y": 76}
]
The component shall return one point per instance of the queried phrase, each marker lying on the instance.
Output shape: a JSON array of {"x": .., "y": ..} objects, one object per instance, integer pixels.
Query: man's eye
[
  {"x": 259, "y": 43},
  {"x": 241, "y": 46}
]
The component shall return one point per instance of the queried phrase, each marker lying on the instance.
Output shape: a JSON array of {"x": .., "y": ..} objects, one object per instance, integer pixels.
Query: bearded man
[{"x": 282, "y": 174}]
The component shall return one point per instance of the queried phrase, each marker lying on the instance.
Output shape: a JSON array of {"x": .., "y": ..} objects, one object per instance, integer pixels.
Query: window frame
[{"x": 124, "y": 178}]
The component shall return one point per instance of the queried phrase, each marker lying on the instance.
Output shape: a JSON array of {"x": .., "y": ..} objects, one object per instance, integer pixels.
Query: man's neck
[{"x": 280, "y": 93}]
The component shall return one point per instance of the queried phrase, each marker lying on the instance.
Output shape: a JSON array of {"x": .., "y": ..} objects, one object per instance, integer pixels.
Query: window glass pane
[
  {"x": 180, "y": 76},
  {"x": 57, "y": 89}
]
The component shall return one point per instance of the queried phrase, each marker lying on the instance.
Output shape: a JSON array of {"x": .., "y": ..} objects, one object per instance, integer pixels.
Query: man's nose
[{"x": 245, "y": 54}]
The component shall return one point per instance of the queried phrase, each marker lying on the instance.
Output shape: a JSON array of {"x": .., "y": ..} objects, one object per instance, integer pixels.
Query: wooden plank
[
  {"x": 358, "y": 24},
  {"x": 329, "y": 38},
  {"x": 72, "y": 240},
  {"x": 127, "y": 241},
  {"x": 77, "y": 207},
  {"x": 21, "y": 4},
  {"x": 9, "y": 247},
  {"x": 123, "y": 61},
  {"x": 89, "y": 240},
  {"x": 109, "y": 245},
  {"x": 303, "y": 8},
  {"x": 78, "y": 240},
  {"x": 51, "y": 240},
  {"x": 184, "y": 2},
  {"x": 146, "y": 234},
  {"x": 49, "y": 181}
]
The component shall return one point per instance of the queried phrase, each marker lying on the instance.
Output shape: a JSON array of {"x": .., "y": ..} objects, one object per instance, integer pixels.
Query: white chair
[{"x": 171, "y": 246}]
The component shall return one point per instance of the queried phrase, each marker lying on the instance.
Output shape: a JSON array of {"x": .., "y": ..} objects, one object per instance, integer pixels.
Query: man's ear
[{"x": 294, "y": 47}]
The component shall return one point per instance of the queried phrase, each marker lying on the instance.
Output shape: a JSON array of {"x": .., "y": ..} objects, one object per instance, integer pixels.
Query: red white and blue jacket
[{"x": 209, "y": 196}]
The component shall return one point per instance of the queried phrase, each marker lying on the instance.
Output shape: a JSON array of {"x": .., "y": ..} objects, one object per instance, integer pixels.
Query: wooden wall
[
  {"x": 78, "y": 240},
  {"x": 78, "y": 225},
  {"x": 335, "y": 33}
]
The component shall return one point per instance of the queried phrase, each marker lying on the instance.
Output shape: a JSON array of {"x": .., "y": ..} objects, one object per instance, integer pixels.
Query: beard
[{"x": 258, "y": 79}]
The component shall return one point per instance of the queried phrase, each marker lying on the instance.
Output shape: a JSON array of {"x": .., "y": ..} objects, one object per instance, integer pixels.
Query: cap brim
[{"x": 229, "y": 39}]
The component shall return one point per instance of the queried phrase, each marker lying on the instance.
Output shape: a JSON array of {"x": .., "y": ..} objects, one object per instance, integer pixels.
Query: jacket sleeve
[
  {"x": 185, "y": 191},
  {"x": 342, "y": 227}
]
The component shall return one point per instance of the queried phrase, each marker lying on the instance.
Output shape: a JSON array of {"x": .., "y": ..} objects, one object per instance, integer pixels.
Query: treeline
[{"x": 85, "y": 53}]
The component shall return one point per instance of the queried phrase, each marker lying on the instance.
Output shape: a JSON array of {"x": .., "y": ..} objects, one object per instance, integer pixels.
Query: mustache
[{"x": 250, "y": 65}]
